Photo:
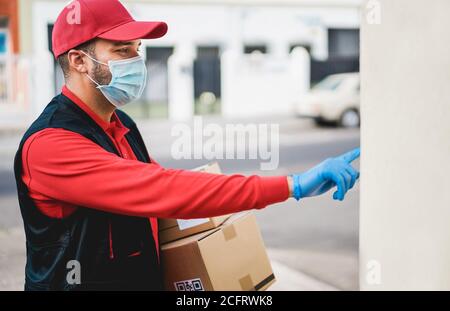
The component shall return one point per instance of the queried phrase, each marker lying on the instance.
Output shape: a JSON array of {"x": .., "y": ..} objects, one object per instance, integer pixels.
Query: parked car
[{"x": 334, "y": 99}]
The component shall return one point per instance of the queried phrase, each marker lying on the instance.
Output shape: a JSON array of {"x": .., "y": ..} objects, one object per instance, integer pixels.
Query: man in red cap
[{"x": 89, "y": 192}]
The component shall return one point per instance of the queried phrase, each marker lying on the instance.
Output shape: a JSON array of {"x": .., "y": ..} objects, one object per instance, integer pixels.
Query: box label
[
  {"x": 192, "y": 285},
  {"x": 184, "y": 224}
]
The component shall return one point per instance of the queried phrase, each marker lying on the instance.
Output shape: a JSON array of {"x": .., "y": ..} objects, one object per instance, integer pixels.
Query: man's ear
[{"x": 77, "y": 62}]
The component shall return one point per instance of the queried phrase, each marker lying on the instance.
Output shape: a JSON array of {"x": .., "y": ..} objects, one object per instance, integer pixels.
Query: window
[
  {"x": 248, "y": 49},
  {"x": 343, "y": 43},
  {"x": 306, "y": 46}
]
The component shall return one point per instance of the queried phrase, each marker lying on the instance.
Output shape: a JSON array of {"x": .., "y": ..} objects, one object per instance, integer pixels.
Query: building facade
[{"x": 234, "y": 58}]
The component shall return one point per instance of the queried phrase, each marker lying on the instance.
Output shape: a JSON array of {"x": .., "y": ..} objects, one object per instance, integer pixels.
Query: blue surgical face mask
[{"x": 129, "y": 77}]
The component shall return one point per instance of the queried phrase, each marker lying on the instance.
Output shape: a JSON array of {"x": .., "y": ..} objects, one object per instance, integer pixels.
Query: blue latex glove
[{"x": 331, "y": 172}]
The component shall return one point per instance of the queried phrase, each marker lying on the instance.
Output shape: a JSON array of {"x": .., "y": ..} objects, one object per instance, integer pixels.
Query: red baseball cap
[{"x": 84, "y": 20}]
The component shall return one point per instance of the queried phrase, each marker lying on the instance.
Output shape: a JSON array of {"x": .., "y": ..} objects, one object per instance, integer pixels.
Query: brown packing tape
[
  {"x": 264, "y": 282},
  {"x": 247, "y": 283},
  {"x": 229, "y": 232}
]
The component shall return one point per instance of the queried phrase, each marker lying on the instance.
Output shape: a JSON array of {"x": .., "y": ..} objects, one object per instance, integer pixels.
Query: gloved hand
[{"x": 331, "y": 172}]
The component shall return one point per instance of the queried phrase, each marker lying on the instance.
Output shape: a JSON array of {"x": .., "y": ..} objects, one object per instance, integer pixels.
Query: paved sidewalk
[
  {"x": 292, "y": 280},
  {"x": 12, "y": 259}
]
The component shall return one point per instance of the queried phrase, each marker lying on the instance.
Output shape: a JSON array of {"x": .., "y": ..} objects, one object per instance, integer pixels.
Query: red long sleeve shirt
[{"x": 64, "y": 170}]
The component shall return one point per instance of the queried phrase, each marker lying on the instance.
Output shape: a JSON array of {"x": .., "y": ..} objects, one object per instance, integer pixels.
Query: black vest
[{"x": 56, "y": 246}]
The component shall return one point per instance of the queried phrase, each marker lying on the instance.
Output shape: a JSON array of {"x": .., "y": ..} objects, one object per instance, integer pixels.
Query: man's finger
[
  {"x": 351, "y": 155},
  {"x": 339, "y": 180},
  {"x": 347, "y": 179},
  {"x": 352, "y": 173}
]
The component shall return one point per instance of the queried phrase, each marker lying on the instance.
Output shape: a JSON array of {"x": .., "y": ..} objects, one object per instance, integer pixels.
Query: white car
[{"x": 334, "y": 99}]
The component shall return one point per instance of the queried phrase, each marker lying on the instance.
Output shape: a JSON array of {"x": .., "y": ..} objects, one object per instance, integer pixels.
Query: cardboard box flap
[
  {"x": 212, "y": 168},
  {"x": 190, "y": 239},
  {"x": 200, "y": 236}
]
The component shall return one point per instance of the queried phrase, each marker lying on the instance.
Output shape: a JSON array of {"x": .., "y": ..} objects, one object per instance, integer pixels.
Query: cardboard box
[
  {"x": 175, "y": 229},
  {"x": 230, "y": 257}
]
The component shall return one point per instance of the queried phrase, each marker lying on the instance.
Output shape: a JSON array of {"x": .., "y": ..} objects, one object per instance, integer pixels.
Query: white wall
[
  {"x": 260, "y": 84},
  {"x": 405, "y": 162}
]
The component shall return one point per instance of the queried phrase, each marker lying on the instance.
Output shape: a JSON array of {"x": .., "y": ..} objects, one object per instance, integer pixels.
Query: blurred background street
[{"x": 248, "y": 62}]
